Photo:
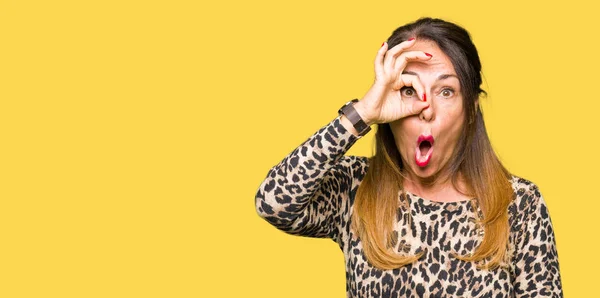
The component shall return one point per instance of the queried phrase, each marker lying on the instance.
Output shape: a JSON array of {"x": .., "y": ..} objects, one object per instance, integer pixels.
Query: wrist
[
  {"x": 348, "y": 110},
  {"x": 360, "y": 109}
]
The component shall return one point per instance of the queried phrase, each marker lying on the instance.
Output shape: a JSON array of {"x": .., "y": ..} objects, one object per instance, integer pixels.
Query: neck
[
  {"x": 438, "y": 187},
  {"x": 427, "y": 185}
]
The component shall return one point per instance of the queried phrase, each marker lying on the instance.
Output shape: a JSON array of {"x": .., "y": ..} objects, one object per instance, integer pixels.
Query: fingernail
[
  {"x": 424, "y": 96},
  {"x": 382, "y": 43},
  {"x": 411, "y": 39},
  {"x": 428, "y": 54}
]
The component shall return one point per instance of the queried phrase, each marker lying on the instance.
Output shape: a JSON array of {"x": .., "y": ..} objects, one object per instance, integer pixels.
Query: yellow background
[{"x": 135, "y": 134}]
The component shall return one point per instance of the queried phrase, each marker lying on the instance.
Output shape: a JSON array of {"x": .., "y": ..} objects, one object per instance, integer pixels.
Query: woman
[{"x": 433, "y": 212}]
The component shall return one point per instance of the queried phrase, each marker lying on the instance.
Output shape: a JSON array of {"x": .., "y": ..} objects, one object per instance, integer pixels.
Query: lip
[{"x": 423, "y": 161}]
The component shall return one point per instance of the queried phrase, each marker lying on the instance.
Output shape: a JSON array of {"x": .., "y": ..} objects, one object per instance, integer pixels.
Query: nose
[{"x": 428, "y": 114}]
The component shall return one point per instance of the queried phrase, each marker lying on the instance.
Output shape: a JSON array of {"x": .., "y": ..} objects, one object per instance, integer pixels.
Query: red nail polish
[
  {"x": 411, "y": 39},
  {"x": 428, "y": 54},
  {"x": 424, "y": 96},
  {"x": 382, "y": 43}
]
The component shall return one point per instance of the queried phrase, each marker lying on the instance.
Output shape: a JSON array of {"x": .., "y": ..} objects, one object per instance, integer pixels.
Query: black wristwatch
[{"x": 348, "y": 110}]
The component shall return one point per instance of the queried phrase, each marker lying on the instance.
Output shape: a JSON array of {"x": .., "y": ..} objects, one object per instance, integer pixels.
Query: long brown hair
[{"x": 376, "y": 203}]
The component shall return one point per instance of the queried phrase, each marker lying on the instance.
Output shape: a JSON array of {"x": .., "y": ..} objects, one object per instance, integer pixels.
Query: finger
[
  {"x": 390, "y": 55},
  {"x": 379, "y": 60},
  {"x": 412, "y": 81},
  {"x": 414, "y": 104},
  {"x": 399, "y": 48},
  {"x": 416, "y": 107},
  {"x": 405, "y": 57}
]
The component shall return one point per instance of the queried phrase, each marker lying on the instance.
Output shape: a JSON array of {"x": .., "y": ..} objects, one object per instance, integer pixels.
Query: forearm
[{"x": 293, "y": 191}]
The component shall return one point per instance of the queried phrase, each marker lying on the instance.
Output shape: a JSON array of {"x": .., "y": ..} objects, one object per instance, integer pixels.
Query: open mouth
[{"x": 424, "y": 150}]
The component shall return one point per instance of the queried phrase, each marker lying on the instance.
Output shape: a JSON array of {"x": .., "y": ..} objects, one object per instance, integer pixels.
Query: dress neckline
[{"x": 431, "y": 202}]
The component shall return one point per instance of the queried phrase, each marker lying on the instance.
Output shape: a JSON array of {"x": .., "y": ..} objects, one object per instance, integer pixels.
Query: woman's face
[{"x": 427, "y": 140}]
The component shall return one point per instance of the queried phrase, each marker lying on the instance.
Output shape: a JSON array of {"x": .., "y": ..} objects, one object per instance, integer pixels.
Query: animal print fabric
[{"x": 311, "y": 193}]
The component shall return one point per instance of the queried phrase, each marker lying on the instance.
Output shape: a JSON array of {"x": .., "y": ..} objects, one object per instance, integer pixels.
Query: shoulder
[
  {"x": 522, "y": 186},
  {"x": 527, "y": 201},
  {"x": 526, "y": 193}
]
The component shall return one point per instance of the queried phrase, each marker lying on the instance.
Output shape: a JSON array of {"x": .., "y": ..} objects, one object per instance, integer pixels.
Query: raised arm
[
  {"x": 535, "y": 267},
  {"x": 301, "y": 194}
]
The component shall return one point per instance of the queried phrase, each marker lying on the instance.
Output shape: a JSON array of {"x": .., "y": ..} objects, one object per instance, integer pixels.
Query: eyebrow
[{"x": 441, "y": 77}]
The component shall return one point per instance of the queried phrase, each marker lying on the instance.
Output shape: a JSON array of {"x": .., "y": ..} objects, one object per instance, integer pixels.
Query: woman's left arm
[{"x": 535, "y": 269}]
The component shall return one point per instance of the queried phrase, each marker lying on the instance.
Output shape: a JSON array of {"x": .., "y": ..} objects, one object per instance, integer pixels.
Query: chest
[{"x": 437, "y": 233}]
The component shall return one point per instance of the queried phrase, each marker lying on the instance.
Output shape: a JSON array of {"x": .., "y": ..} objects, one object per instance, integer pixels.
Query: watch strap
[{"x": 350, "y": 112}]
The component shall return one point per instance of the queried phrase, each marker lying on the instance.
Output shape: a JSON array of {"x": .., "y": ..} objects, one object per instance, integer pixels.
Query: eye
[
  {"x": 448, "y": 92},
  {"x": 408, "y": 91}
]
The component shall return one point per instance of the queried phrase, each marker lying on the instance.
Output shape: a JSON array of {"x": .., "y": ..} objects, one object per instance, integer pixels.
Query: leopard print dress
[{"x": 311, "y": 192}]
